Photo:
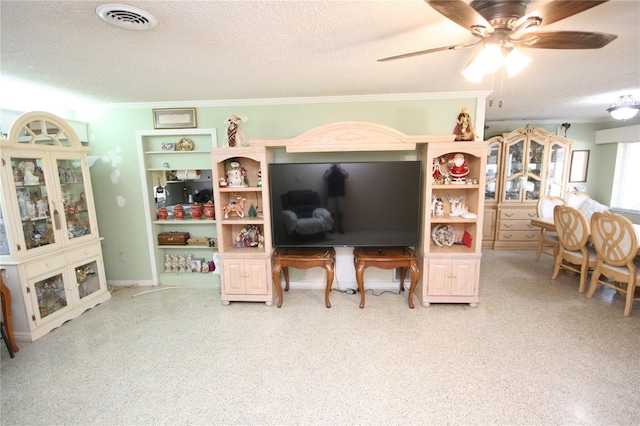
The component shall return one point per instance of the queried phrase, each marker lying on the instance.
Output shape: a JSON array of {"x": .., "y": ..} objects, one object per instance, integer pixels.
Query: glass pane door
[
  {"x": 557, "y": 167},
  {"x": 514, "y": 171},
  {"x": 50, "y": 295},
  {"x": 74, "y": 198},
  {"x": 87, "y": 279},
  {"x": 33, "y": 202},
  {"x": 492, "y": 172}
]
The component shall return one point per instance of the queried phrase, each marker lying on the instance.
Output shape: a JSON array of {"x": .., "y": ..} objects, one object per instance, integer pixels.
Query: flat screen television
[{"x": 380, "y": 205}]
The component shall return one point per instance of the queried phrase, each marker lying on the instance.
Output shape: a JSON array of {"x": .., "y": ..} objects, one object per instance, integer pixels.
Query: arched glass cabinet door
[
  {"x": 514, "y": 171},
  {"x": 48, "y": 183},
  {"x": 535, "y": 165},
  {"x": 493, "y": 169},
  {"x": 559, "y": 153}
]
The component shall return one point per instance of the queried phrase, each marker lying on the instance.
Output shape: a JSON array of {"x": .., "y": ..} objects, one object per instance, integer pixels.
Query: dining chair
[
  {"x": 573, "y": 253},
  {"x": 616, "y": 244},
  {"x": 547, "y": 238}
]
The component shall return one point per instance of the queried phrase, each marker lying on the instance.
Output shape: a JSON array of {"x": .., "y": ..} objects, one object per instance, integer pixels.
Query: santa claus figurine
[{"x": 459, "y": 169}]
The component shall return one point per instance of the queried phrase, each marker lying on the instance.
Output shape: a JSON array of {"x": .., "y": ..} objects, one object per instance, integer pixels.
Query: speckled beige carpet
[{"x": 535, "y": 351}]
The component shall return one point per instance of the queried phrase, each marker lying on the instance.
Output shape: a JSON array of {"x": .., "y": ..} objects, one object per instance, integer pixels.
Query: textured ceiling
[{"x": 227, "y": 50}]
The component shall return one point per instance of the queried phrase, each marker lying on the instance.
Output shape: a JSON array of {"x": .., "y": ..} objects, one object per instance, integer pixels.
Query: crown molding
[{"x": 302, "y": 100}]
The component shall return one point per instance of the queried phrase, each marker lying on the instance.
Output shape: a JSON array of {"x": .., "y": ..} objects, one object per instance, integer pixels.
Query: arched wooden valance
[{"x": 352, "y": 136}]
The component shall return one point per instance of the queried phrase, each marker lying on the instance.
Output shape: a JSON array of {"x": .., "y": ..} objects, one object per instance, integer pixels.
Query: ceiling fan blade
[
  {"x": 460, "y": 13},
  {"x": 557, "y": 10},
  {"x": 565, "y": 40},
  {"x": 424, "y": 52}
]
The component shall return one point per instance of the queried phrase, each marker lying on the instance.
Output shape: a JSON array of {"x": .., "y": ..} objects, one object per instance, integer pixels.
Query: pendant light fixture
[{"x": 624, "y": 108}]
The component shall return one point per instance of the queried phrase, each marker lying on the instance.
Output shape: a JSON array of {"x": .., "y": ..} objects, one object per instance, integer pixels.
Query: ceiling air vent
[{"x": 128, "y": 17}]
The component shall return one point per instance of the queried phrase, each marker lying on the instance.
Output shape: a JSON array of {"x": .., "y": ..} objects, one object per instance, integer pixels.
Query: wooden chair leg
[
  {"x": 6, "y": 341},
  {"x": 540, "y": 243}
]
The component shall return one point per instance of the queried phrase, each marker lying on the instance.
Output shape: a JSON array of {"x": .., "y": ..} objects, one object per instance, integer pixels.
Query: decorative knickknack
[
  {"x": 464, "y": 128},
  {"x": 235, "y": 132},
  {"x": 196, "y": 211}
]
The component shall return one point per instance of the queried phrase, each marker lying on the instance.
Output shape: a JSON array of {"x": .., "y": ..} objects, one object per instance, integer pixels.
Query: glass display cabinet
[
  {"x": 49, "y": 241},
  {"x": 534, "y": 165}
]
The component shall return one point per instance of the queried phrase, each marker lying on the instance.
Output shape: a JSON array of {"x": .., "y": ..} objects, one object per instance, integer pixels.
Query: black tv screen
[{"x": 359, "y": 204}]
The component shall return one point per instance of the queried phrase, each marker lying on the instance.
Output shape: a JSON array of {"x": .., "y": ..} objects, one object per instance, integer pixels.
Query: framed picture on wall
[
  {"x": 579, "y": 166},
  {"x": 174, "y": 118}
]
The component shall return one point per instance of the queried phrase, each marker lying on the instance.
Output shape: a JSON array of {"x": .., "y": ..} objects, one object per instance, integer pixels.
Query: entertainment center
[{"x": 449, "y": 272}]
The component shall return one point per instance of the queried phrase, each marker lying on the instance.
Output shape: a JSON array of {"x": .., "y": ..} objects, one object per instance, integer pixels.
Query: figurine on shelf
[
  {"x": 459, "y": 168},
  {"x": 464, "y": 128},
  {"x": 234, "y": 174},
  {"x": 259, "y": 178},
  {"x": 236, "y": 205},
  {"x": 167, "y": 263},
  {"x": 437, "y": 206},
  {"x": 28, "y": 168},
  {"x": 42, "y": 207},
  {"x": 457, "y": 208},
  {"x": 235, "y": 132},
  {"x": 182, "y": 263}
]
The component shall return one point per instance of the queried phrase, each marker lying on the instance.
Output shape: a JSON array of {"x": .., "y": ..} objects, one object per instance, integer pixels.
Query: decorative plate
[
  {"x": 443, "y": 235},
  {"x": 185, "y": 144}
]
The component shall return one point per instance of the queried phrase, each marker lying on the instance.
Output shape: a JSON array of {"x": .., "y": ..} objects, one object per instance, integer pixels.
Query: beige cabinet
[
  {"x": 243, "y": 221},
  {"x": 49, "y": 241},
  {"x": 451, "y": 246},
  {"x": 535, "y": 163},
  {"x": 245, "y": 278},
  {"x": 172, "y": 176},
  {"x": 453, "y": 279}
]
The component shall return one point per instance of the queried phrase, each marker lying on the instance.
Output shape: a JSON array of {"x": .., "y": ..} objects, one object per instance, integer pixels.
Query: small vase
[
  {"x": 196, "y": 211},
  {"x": 178, "y": 212},
  {"x": 163, "y": 214},
  {"x": 209, "y": 210}
]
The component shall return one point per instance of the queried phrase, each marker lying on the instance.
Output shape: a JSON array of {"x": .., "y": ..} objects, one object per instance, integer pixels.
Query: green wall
[{"x": 116, "y": 177}]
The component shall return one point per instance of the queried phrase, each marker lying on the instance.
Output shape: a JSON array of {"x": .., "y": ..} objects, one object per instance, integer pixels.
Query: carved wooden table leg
[
  {"x": 303, "y": 258},
  {"x": 387, "y": 258}
]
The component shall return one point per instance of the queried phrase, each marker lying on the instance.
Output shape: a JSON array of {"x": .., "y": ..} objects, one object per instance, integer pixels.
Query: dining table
[{"x": 548, "y": 224}]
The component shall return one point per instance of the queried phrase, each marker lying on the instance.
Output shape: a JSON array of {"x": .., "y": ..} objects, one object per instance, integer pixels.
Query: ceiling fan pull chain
[{"x": 501, "y": 85}]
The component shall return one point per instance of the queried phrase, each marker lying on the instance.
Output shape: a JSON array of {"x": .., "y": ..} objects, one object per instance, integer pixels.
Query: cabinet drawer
[
  {"x": 85, "y": 252},
  {"x": 518, "y": 235},
  {"x": 516, "y": 225},
  {"x": 507, "y": 214},
  {"x": 44, "y": 266}
]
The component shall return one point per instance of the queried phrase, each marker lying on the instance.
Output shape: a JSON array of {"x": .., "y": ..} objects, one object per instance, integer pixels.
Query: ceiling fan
[{"x": 503, "y": 25}]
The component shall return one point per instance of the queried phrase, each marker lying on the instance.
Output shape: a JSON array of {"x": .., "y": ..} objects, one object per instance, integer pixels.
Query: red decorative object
[
  {"x": 196, "y": 211},
  {"x": 209, "y": 210},
  {"x": 178, "y": 212},
  {"x": 163, "y": 214}
]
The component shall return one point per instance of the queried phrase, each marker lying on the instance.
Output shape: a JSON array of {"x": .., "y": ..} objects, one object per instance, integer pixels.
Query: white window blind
[{"x": 625, "y": 194}]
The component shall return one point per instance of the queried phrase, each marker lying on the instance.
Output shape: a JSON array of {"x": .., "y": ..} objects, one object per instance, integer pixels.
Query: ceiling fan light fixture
[
  {"x": 624, "y": 108},
  {"x": 490, "y": 59},
  {"x": 515, "y": 62}
]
